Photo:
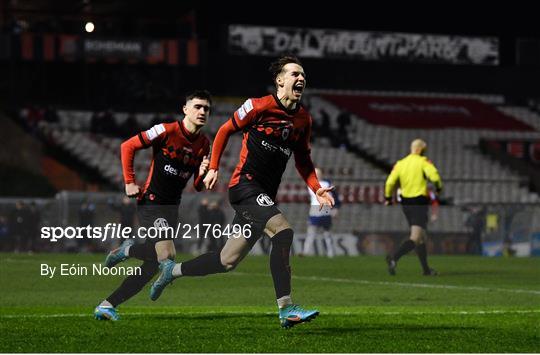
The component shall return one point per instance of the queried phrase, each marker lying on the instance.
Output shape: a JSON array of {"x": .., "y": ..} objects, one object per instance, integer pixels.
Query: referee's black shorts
[
  {"x": 416, "y": 210},
  {"x": 253, "y": 206}
]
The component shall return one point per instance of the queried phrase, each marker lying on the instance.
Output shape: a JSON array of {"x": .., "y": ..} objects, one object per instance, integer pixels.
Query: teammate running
[
  {"x": 274, "y": 128},
  {"x": 180, "y": 150}
]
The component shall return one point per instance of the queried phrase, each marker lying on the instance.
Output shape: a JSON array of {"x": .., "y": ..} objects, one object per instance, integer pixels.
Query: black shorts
[
  {"x": 416, "y": 210},
  {"x": 154, "y": 214},
  {"x": 253, "y": 206}
]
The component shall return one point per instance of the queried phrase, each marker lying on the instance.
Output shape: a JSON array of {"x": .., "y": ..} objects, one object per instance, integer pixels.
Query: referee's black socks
[
  {"x": 405, "y": 247},
  {"x": 421, "y": 251}
]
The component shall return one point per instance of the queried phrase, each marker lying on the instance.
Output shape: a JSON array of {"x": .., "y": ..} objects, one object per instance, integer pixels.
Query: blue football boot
[
  {"x": 293, "y": 314},
  {"x": 118, "y": 255},
  {"x": 106, "y": 313},
  {"x": 163, "y": 280}
]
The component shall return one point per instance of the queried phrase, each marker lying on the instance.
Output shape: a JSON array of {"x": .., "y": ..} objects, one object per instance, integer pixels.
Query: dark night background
[{"x": 96, "y": 85}]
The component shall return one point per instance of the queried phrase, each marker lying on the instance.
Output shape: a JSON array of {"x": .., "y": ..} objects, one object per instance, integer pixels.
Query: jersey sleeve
[
  {"x": 302, "y": 157},
  {"x": 153, "y": 135},
  {"x": 242, "y": 118},
  {"x": 432, "y": 174},
  {"x": 220, "y": 142},
  {"x": 246, "y": 115},
  {"x": 391, "y": 181},
  {"x": 303, "y": 144},
  {"x": 142, "y": 140}
]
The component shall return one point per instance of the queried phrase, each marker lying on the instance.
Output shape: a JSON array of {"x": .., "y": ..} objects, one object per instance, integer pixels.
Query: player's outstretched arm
[
  {"x": 306, "y": 169},
  {"x": 324, "y": 197},
  {"x": 220, "y": 142}
]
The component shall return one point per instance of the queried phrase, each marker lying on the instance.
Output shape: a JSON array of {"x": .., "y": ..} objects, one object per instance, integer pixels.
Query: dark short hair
[
  {"x": 277, "y": 66},
  {"x": 200, "y": 94}
]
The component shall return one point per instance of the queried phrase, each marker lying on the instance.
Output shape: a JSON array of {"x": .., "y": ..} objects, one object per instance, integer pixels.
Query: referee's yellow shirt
[{"x": 412, "y": 173}]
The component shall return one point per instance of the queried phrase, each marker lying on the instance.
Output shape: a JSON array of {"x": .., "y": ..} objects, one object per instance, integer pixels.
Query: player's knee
[
  {"x": 276, "y": 224},
  {"x": 165, "y": 250},
  {"x": 283, "y": 239}
]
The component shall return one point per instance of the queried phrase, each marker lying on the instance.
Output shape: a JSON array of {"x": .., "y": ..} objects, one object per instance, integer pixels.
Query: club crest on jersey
[
  {"x": 285, "y": 134},
  {"x": 244, "y": 109},
  {"x": 187, "y": 157},
  {"x": 161, "y": 223},
  {"x": 264, "y": 200}
]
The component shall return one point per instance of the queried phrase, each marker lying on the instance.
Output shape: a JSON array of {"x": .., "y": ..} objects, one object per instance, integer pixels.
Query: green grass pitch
[{"x": 475, "y": 305}]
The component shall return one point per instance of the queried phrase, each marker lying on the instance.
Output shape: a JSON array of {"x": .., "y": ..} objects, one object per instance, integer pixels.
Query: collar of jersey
[
  {"x": 281, "y": 106},
  {"x": 190, "y": 136}
]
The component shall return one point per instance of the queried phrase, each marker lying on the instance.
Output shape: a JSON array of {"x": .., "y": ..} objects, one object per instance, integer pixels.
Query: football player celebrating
[{"x": 274, "y": 128}]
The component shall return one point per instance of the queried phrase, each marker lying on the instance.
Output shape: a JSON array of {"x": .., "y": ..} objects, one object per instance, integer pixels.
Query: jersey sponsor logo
[
  {"x": 169, "y": 169},
  {"x": 161, "y": 223},
  {"x": 272, "y": 148},
  {"x": 285, "y": 151},
  {"x": 264, "y": 200},
  {"x": 244, "y": 109},
  {"x": 268, "y": 146},
  {"x": 155, "y": 131}
]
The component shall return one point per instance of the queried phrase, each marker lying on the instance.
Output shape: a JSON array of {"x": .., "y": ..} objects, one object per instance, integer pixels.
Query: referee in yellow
[{"x": 412, "y": 173}]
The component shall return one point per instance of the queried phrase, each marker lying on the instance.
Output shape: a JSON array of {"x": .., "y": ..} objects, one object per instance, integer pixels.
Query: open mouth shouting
[{"x": 298, "y": 88}]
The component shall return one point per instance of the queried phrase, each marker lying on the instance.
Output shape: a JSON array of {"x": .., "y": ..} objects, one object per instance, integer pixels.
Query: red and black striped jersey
[
  {"x": 177, "y": 155},
  {"x": 271, "y": 134}
]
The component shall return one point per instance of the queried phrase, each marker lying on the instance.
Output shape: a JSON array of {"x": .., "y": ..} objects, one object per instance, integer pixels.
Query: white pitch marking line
[{"x": 403, "y": 284}]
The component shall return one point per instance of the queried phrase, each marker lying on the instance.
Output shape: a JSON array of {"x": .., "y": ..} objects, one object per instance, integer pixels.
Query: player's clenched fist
[{"x": 132, "y": 190}]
